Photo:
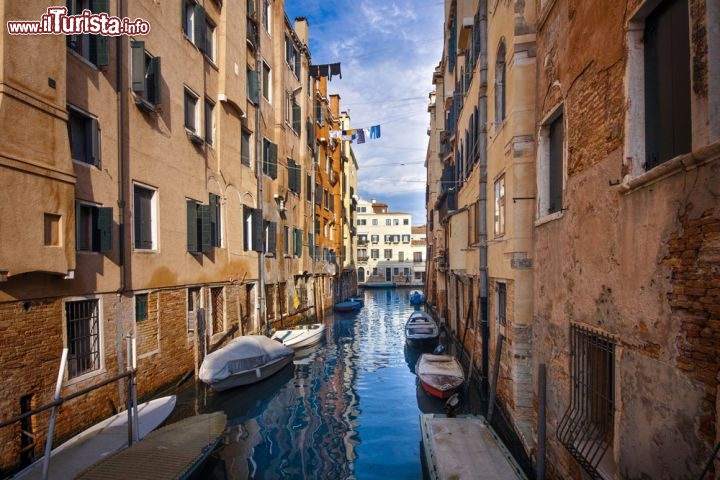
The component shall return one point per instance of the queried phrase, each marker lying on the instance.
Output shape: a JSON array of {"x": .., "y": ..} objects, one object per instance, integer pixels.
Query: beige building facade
[{"x": 156, "y": 187}]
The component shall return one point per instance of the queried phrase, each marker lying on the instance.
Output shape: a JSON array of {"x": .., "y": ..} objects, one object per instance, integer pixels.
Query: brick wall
[{"x": 694, "y": 258}]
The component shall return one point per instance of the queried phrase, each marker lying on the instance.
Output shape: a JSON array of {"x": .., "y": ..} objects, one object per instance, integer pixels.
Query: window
[
  {"x": 401, "y": 256},
  {"x": 210, "y": 44},
  {"x": 406, "y": 238},
  {"x": 51, "y": 224},
  {"x": 84, "y": 132},
  {"x": 500, "y": 206},
  {"x": 267, "y": 15},
  {"x": 192, "y": 116},
  {"x": 388, "y": 254},
  {"x": 253, "y": 224},
  {"x": 473, "y": 224},
  {"x": 245, "y": 144},
  {"x": 215, "y": 221},
  {"x": 668, "y": 122},
  {"x": 551, "y": 171},
  {"x": 500, "y": 85},
  {"x": 375, "y": 253},
  {"x": 388, "y": 221},
  {"x": 297, "y": 242},
  {"x": 501, "y": 303},
  {"x": 141, "y": 307},
  {"x": 93, "y": 48},
  {"x": 417, "y": 257},
  {"x": 311, "y": 244},
  {"x": 269, "y": 158},
  {"x": 266, "y": 82},
  {"x": 374, "y": 221},
  {"x": 374, "y": 238},
  {"x": 82, "y": 321},
  {"x": 145, "y": 206},
  {"x": 586, "y": 428},
  {"x": 209, "y": 121},
  {"x": 193, "y": 305},
  {"x": 361, "y": 221},
  {"x": 146, "y": 77},
  {"x": 286, "y": 240},
  {"x": 292, "y": 56},
  {"x": 308, "y": 189},
  {"x": 270, "y": 237},
  {"x": 217, "y": 310},
  {"x": 396, "y": 221},
  {"x": 94, "y": 228},
  {"x": 194, "y": 23}
]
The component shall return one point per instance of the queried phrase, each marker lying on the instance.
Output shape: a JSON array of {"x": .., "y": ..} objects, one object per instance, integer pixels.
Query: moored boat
[
  {"x": 300, "y": 336},
  {"x": 245, "y": 360},
  {"x": 347, "y": 306},
  {"x": 440, "y": 375},
  {"x": 421, "y": 331},
  {"x": 358, "y": 298},
  {"x": 102, "y": 439}
]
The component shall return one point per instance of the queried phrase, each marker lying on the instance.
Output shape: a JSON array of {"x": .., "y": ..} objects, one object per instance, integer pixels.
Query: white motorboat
[{"x": 300, "y": 336}]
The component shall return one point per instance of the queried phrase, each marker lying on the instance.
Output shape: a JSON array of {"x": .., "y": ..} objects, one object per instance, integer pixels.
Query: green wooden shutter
[
  {"x": 192, "y": 223},
  {"x": 206, "y": 235},
  {"x": 153, "y": 81},
  {"x": 311, "y": 244},
  {"x": 104, "y": 229},
  {"x": 253, "y": 86},
  {"x": 138, "y": 66},
  {"x": 199, "y": 26},
  {"x": 92, "y": 139},
  {"x": 296, "y": 117},
  {"x": 272, "y": 160},
  {"x": 99, "y": 44},
  {"x": 215, "y": 227},
  {"x": 257, "y": 230}
]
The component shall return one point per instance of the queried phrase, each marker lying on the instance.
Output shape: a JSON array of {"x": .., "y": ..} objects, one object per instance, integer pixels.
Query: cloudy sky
[{"x": 388, "y": 50}]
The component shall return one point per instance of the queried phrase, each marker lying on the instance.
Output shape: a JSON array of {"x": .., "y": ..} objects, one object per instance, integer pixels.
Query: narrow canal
[{"x": 347, "y": 408}]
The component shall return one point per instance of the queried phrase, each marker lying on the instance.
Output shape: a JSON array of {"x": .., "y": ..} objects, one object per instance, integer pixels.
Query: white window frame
[
  {"x": 101, "y": 341},
  {"x": 189, "y": 93},
  {"x": 543, "y": 162},
  {"x": 154, "y": 216}
]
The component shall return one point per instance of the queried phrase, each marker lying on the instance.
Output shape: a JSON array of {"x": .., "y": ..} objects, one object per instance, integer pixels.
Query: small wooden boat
[
  {"x": 358, "y": 298},
  {"x": 300, "y": 336},
  {"x": 347, "y": 306},
  {"x": 417, "y": 298},
  {"x": 245, "y": 360},
  {"x": 421, "y": 331},
  {"x": 175, "y": 451},
  {"x": 102, "y": 439},
  {"x": 440, "y": 375}
]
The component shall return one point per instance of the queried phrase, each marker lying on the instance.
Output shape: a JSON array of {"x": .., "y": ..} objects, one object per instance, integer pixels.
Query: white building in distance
[{"x": 390, "y": 251}]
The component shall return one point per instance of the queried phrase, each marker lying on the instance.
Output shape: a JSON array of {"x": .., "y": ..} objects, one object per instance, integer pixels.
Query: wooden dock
[
  {"x": 465, "y": 448},
  {"x": 172, "y": 452}
]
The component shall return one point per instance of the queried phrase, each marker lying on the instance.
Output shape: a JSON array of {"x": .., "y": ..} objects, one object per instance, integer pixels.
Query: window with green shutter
[
  {"x": 141, "y": 307},
  {"x": 84, "y": 132},
  {"x": 93, "y": 228},
  {"x": 269, "y": 158},
  {"x": 94, "y": 48},
  {"x": 146, "y": 77}
]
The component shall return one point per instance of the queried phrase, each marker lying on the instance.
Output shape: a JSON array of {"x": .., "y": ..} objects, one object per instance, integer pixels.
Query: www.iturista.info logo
[{"x": 57, "y": 22}]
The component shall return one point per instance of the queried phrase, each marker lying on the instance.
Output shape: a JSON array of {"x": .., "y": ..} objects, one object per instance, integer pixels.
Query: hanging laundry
[
  {"x": 375, "y": 131},
  {"x": 360, "y": 135},
  {"x": 335, "y": 133},
  {"x": 334, "y": 70}
]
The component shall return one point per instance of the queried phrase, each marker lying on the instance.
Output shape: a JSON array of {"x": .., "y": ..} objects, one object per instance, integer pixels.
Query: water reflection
[{"x": 346, "y": 408}]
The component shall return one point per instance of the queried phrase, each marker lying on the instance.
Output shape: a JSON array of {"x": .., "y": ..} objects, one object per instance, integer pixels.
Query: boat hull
[
  {"x": 347, "y": 306},
  {"x": 254, "y": 375},
  {"x": 301, "y": 336},
  {"x": 440, "y": 375},
  {"x": 421, "y": 331}
]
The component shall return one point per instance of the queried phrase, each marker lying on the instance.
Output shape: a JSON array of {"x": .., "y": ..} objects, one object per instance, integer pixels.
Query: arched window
[{"x": 500, "y": 84}]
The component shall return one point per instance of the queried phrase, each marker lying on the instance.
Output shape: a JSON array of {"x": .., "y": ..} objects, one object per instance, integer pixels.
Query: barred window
[
  {"x": 83, "y": 337},
  {"x": 586, "y": 428}
]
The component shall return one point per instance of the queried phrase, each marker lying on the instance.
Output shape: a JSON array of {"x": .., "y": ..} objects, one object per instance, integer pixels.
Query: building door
[
  {"x": 388, "y": 274},
  {"x": 361, "y": 274}
]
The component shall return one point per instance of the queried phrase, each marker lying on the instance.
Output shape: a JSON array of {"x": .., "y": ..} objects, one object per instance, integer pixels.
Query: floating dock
[
  {"x": 175, "y": 451},
  {"x": 465, "y": 448}
]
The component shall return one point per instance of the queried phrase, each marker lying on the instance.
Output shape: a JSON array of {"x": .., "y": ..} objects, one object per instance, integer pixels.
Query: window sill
[
  {"x": 549, "y": 218},
  {"x": 679, "y": 164}
]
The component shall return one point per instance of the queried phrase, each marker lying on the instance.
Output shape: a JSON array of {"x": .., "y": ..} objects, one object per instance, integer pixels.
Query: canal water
[{"x": 347, "y": 408}]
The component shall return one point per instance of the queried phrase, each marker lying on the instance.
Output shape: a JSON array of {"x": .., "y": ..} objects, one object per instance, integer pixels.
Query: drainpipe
[
  {"x": 482, "y": 201},
  {"x": 121, "y": 148},
  {"x": 260, "y": 294}
]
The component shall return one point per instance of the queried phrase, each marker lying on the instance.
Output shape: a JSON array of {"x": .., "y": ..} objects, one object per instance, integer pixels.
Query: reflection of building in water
[{"x": 308, "y": 429}]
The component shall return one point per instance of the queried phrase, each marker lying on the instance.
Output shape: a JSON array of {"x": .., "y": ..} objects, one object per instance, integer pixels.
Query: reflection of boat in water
[
  {"x": 246, "y": 402},
  {"x": 411, "y": 357},
  {"x": 427, "y": 403},
  {"x": 305, "y": 355}
]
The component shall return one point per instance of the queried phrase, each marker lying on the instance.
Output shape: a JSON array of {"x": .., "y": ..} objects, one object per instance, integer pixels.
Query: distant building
[{"x": 389, "y": 251}]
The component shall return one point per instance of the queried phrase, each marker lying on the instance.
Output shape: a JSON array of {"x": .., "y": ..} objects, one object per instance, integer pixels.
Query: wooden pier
[
  {"x": 172, "y": 452},
  {"x": 465, "y": 448}
]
